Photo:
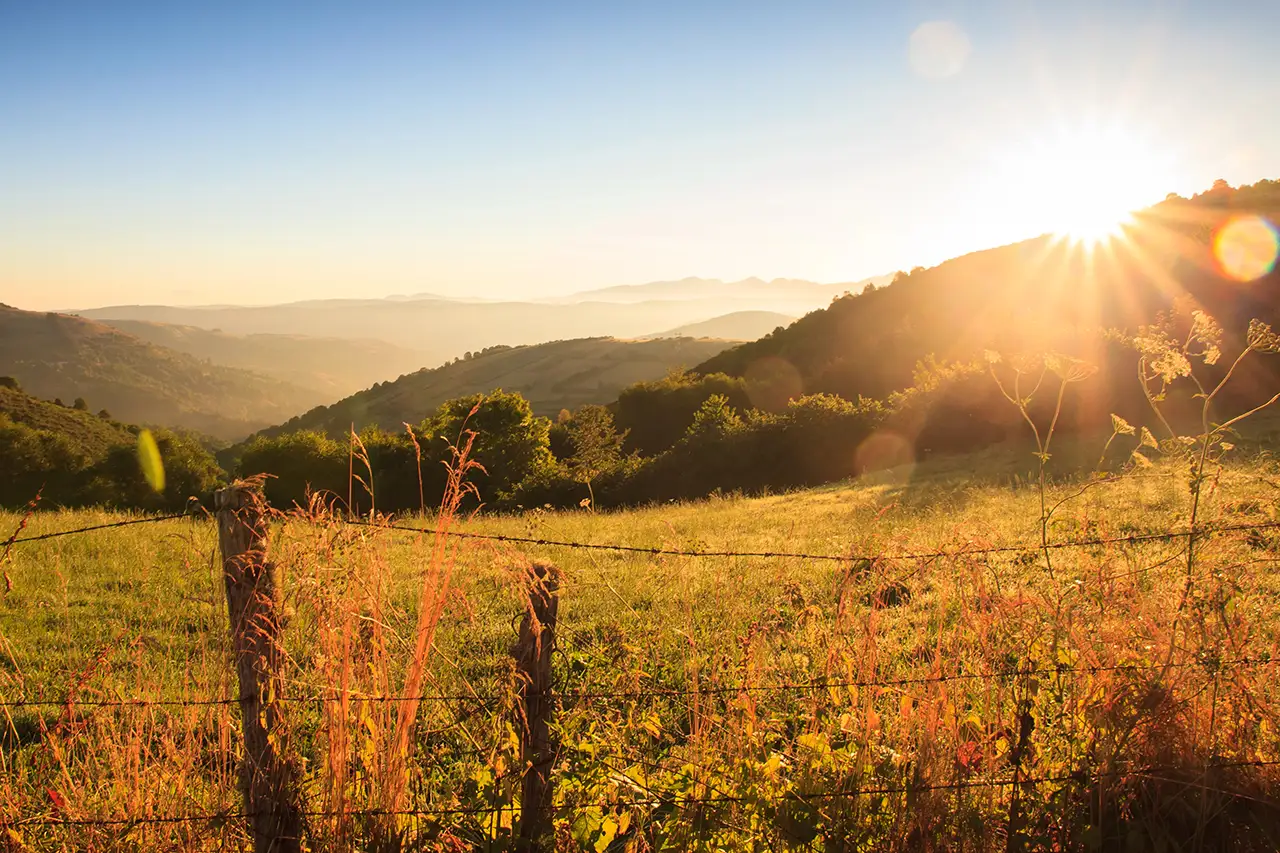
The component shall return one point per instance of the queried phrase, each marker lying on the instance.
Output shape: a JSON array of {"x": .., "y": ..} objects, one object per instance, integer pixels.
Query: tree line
[{"x": 681, "y": 437}]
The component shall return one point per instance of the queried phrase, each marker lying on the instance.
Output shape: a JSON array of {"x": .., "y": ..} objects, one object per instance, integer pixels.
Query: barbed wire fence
[{"x": 655, "y": 799}]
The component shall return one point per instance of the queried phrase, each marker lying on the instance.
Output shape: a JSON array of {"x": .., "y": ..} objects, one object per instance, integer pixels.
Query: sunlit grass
[{"x": 138, "y": 613}]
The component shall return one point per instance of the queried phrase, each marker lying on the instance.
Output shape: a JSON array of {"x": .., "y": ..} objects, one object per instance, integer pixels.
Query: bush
[
  {"x": 298, "y": 463},
  {"x": 511, "y": 443},
  {"x": 189, "y": 472},
  {"x": 654, "y": 415},
  {"x": 39, "y": 461},
  {"x": 814, "y": 441},
  {"x": 382, "y": 470}
]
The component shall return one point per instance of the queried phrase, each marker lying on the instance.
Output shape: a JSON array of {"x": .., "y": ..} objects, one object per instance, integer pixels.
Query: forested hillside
[
  {"x": 71, "y": 457},
  {"x": 55, "y": 356},
  {"x": 551, "y": 376},
  {"x": 330, "y": 367},
  {"x": 1039, "y": 295}
]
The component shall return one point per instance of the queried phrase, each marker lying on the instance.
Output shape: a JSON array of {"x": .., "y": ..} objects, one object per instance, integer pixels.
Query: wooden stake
[
  {"x": 533, "y": 660},
  {"x": 267, "y": 779}
]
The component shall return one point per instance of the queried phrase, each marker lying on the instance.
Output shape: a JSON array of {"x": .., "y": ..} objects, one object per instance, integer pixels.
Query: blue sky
[{"x": 261, "y": 152}]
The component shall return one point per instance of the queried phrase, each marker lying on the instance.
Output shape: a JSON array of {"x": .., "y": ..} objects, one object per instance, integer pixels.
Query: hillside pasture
[{"x": 707, "y": 703}]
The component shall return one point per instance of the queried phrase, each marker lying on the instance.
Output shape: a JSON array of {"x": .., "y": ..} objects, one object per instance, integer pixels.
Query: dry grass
[{"x": 1143, "y": 757}]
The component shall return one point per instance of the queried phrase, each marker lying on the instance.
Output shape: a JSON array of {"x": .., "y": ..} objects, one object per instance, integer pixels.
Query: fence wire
[
  {"x": 1130, "y": 539},
  {"x": 657, "y": 798}
]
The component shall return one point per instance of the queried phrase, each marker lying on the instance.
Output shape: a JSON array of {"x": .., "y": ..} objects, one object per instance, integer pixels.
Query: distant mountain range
[
  {"x": 229, "y": 370},
  {"x": 738, "y": 326},
  {"x": 58, "y": 356},
  {"x": 552, "y": 376},
  {"x": 439, "y": 328},
  {"x": 329, "y": 367}
]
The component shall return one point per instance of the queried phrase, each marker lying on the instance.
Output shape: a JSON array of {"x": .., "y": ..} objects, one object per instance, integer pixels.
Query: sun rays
[{"x": 1081, "y": 183}]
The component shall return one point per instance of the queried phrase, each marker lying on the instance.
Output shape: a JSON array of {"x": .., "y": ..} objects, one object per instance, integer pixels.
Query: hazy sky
[{"x": 256, "y": 152}]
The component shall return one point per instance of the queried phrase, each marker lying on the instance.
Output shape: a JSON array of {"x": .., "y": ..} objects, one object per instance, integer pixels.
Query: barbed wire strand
[
  {"x": 701, "y": 553},
  {"x": 674, "y": 552},
  {"x": 152, "y": 519}
]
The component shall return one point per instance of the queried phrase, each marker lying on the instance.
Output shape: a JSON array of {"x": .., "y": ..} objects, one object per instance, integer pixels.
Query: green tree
[
  {"x": 713, "y": 420},
  {"x": 189, "y": 472},
  {"x": 654, "y": 415},
  {"x": 37, "y": 460},
  {"x": 299, "y": 463},
  {"x": 596, "y": 445},
  {"x": 510, "y": 441}
]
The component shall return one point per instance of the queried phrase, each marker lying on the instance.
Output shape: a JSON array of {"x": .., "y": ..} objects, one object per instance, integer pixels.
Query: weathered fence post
[
  {"x": 267, "y": 778},
  {"x": 533, "y": 660}
]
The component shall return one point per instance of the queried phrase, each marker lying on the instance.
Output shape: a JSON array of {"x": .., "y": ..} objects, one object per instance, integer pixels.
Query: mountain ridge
[
  {"x": 63, "y": 356},
  {"x": 554, "y": 375}
]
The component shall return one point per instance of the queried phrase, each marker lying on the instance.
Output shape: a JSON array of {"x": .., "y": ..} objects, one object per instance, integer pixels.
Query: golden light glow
[
  {"x": 1084, "y": 183},
  {"x": 1246, "y": 247}
]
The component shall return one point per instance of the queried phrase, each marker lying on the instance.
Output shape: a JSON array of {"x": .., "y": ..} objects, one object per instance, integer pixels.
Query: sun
[{"x": 1084, "y": 183}]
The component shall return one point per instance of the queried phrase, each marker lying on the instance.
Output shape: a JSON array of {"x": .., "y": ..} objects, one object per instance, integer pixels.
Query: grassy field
[{"x": 1083, "y": 698}]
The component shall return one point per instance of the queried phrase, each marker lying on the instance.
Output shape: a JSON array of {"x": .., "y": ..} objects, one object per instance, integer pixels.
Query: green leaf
[
  {"x": 584, "y": 827},
  {"x": 149, "y": 458},
  {"x": 608, "y": 831}
]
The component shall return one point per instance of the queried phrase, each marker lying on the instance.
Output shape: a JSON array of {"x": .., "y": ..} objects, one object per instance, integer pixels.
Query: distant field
[{"x": 1150, "y": 687}]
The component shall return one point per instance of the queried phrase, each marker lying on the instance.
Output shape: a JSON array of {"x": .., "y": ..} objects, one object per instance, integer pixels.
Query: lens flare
[
  {"x": 772, "y": 382},
  {"x": 938, "y": 49},
  {"x": 886, "y": 450},
  {"x": 1246, "y": 248}
]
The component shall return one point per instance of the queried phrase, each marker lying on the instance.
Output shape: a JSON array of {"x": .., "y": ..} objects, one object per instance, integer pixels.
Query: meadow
[{"x": 1103, "y": 696}]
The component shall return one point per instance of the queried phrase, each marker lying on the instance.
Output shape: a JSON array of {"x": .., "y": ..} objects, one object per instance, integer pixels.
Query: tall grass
[{"x": 1125, "y": 724}]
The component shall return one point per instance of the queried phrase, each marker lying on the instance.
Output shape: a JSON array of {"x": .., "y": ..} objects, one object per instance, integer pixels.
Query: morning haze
[{"x": 701, "y": 426}]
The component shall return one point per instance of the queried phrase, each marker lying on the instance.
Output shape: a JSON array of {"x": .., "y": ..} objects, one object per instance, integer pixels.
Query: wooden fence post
[
  {"x": 533, "y": 660},
  {"x": 267, "y": 779}
]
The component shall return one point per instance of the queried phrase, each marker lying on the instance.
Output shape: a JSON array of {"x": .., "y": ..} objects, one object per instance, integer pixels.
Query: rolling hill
[
  {"x": 331, "y": 367},
  {"x": 59, "y": 356},
  {"x": 90, "y": 434},
  {"x": 738, "y": 326},
  {"x": 552, "y": 376},
  {"x": 1034, "y": 296},
  {"x": 70, "y": 457}
]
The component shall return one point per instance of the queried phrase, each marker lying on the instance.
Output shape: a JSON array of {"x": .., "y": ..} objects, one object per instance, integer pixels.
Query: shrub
[{"x": 654, "y": 415}]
